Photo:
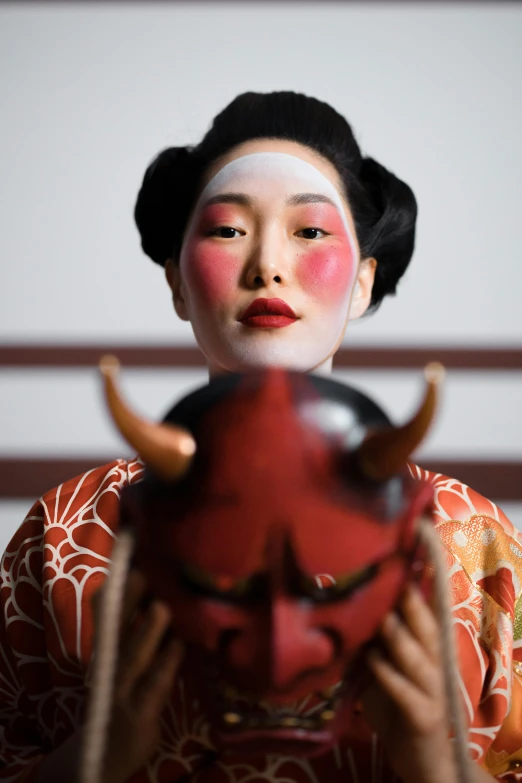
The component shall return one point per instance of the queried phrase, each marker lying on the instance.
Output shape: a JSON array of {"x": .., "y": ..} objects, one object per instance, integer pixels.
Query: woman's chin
[
  {"x": 290, "y": 358},
  {"x": 238, "y": 349}
]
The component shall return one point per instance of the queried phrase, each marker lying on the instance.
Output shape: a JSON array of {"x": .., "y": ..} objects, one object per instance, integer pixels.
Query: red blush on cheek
[
  {"x": 327, "y": 272},
  {"x": 212, "y": 272}
]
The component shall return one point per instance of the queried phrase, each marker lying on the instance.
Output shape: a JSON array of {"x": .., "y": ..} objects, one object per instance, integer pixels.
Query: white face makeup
[{"x": 269, "y": 229}]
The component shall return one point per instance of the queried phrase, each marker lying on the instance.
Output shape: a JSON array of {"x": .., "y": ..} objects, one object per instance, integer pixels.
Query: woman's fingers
[
  {"x": 415, "y": 705},
  {"x": 155, "y": 687},
  {"x": 407, "y": 653},
  {"x": 409, "y": 669},
  {"x": 421, "y": 621},
  {"x": 141, "y": 648},
  {"x": 148, "y": 660},
  {"x": 412, "y": 641},
  {"x": 135, "y": 592}
]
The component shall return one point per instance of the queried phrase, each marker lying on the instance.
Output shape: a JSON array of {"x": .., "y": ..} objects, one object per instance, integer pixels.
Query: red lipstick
[{"x": 268, "y": 313}]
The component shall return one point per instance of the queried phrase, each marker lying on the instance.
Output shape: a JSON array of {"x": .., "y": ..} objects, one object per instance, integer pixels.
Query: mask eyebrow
[
  {"x": 229, "y": 198},
  {"x": 309, "y": 198}
]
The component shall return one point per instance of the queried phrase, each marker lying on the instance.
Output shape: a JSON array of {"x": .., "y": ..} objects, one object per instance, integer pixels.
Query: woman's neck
[{"x": 324, "y": 368}]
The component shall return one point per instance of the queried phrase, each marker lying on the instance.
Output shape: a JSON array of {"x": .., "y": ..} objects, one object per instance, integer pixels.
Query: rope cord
[
  {"x": 100, "y": 702},
  {"x": 433, "y": 544}
]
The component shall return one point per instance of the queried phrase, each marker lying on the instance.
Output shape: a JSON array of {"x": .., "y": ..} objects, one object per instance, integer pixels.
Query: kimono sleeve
[
  {"x": 24, "y": 671},
  {"x": 56, "y": 560},
  {"x": 484, "y": 557}
]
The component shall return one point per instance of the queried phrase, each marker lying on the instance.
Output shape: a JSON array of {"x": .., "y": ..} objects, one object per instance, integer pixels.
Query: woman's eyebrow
[
  {"x": 245, "y": 201},
  {"x": 229, "y": 198},
  {"x": 309, "y": 198}
]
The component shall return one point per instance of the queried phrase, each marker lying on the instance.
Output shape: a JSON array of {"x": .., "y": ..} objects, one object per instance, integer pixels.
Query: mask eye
[
  {"x": 199, "y": 582},
  {"x": 324, "y": 588}
]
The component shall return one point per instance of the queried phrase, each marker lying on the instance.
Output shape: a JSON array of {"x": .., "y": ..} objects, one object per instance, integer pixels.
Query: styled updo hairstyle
[{"x": 383, "y": 207}]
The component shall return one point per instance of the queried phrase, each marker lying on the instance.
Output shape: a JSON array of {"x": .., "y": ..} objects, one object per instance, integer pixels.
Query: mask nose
[
  {"x": 278, "y": 651},
  {"x": 297, "y": 647}
]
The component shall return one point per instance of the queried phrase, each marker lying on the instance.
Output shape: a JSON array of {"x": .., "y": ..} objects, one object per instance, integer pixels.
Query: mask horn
[
  {"x": 167, "y": 450},
  {"x": 383, "y": 453}
]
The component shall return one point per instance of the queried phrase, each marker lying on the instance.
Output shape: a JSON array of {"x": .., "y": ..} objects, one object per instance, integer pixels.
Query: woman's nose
[{"x": 268, "y": 263}]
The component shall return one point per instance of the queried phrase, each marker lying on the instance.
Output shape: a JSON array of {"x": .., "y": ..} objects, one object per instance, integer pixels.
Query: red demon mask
[{"x": 277, "y": 519}]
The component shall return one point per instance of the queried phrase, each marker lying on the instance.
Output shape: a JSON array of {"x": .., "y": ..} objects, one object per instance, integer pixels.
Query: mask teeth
[
  {"x": 327, "y": 715},
  {"x": 235, "y": 719},
  {"x": 289, "y": 722},
  {"x": 329, "y": 693},
  {"x": 279, "y": 719},
  {"x": 232, "y": 718},
  {"x": 228, "y": 691}
]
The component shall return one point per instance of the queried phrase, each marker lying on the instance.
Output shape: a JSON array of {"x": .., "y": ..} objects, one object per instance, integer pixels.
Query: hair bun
[
  {"x": 160, "y": 212},
  {"x": 391, "y": 237}
]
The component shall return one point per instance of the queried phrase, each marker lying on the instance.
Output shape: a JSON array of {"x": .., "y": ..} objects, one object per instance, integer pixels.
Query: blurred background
[{"x": 90, "y": 92}]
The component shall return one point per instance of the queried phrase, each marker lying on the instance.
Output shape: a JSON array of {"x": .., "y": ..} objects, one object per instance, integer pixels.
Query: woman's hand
[
  {"x": 149, "y": 658},
  {"x": 406, "y": 705}
]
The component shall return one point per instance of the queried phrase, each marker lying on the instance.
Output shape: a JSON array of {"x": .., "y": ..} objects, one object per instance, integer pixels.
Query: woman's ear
[
  {"x": 362, "y": 293},
  {"x": 175, "y": 282}
]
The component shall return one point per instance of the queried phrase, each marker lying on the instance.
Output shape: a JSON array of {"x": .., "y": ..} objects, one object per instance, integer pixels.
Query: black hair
[{"x": 383, "y": 206}]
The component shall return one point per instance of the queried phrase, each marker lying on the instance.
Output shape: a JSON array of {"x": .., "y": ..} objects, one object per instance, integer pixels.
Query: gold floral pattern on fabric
[{"x": 517, "y": 625}]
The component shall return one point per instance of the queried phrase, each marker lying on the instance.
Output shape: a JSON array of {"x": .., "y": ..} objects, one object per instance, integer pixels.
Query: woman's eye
[
  {"x": 311, "y": 233},
  {"x": 225, "y": 232}
]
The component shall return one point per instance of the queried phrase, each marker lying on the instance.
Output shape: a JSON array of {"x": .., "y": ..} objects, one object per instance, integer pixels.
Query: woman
[{"x": 274, "y": 233}]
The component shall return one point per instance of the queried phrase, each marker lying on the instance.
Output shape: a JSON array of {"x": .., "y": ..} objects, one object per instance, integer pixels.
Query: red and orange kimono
[{"x": 61, "y": 554}]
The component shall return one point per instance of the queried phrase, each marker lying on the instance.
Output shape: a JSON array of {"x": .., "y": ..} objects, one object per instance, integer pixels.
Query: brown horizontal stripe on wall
[
  {"x": 155, "y": 356},
  {"x": 29, "y": 478}
]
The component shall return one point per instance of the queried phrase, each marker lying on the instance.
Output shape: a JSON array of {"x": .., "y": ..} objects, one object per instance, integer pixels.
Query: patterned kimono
[{"x": 61, "y": 554}]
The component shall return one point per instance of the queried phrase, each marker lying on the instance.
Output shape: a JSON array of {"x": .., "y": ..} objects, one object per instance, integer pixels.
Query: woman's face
[{"x": 269, "y": 271}]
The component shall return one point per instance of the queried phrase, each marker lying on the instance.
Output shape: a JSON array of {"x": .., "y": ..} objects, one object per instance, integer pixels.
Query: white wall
[
  {"x": 91, "y": 92},
  {"x": 64, "y": 414}
]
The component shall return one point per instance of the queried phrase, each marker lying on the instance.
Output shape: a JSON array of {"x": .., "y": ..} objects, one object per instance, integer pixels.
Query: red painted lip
[{"x": 265, "y": 313}]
